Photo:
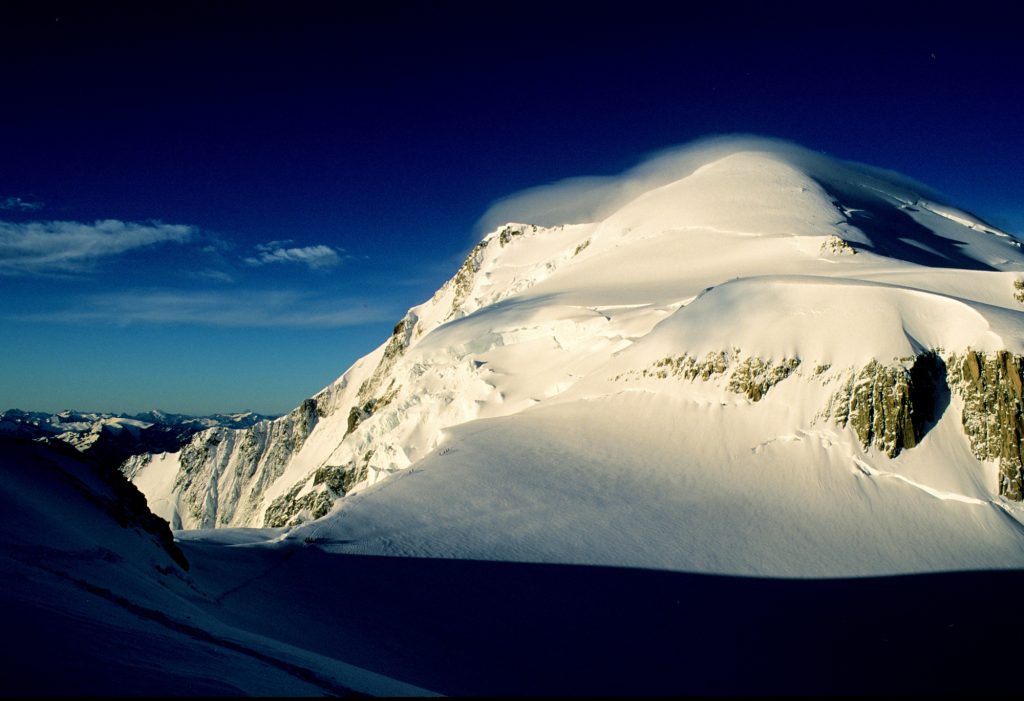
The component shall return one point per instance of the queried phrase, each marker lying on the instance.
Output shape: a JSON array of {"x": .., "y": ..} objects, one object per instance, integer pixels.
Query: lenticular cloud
[{"x": 588, "y": 199}]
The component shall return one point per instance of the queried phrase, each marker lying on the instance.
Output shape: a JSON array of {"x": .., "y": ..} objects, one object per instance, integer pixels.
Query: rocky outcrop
[
  {"x": 396, "y": 346},
  {"x": 130, "y": 509},
  {"x": 224, "y": 473},
  {"x": 836, "y": 246},
  {"x": 462, "y": 283},
  {"x": 755, "y": 376},
  {"x": 313, "y": 497},
  {"x": 507, "y": 233},
  {"x": 688, "y": 367},
  {"x": 752, "y": 376},
  {"x": 875, "y": 403},
  {"x": 890, "y": 407},
  {"x": 993, "y": 418},
  {"x": 359, "y": 414},
  {"x": 369, "y": 395},
  {"x": 287, "y": 510}
]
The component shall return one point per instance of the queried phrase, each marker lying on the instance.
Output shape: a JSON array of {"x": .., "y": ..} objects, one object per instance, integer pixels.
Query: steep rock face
[
  {"x": 462, "y": 283},
  {"x": 993, "y": 415},
  {"x": 890, "y": 406},
  {"x": 314, "y": 496},
  {"x": 875, "y": 403},
  {"x": 224, "y": 472},
  {"x": 369, "y": 397}
]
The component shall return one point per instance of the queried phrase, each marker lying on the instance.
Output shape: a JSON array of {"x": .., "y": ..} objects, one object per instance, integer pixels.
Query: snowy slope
[
  {"x": 580, "y": 483},
  {"x": 777, "y": 353},
  {"x": 95, "y": 603},
  {"x": 96, "y": 608}
]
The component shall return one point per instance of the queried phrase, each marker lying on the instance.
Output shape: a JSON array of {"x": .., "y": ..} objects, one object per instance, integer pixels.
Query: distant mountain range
[{"x": 111, "y": 438}]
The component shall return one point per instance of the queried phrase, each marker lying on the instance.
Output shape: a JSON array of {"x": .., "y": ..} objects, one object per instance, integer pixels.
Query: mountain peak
[{"x": 752, "y": 325}]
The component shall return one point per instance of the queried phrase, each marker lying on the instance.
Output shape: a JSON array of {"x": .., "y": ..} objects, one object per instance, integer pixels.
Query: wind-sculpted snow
[{"x": 801, "y": 312}]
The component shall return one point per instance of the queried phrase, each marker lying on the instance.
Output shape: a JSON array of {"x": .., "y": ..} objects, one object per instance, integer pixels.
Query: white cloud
[
  {"x": 42, "y": 247},
  {"x": 19, "y": 204},
  {"x": 587, "y": 199},
  {"x": 315, "y": 257},
  {"x": 213, "y": 274},
  {"x": 248, "y": 309}
]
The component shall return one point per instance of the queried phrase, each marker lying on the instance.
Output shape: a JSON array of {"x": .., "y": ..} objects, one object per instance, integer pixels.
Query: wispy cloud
[
  {"x": 214, "y": 275},
  {"x": 42, "y": 247},
  {"x": 252, "y": 309},
  {"x": 19, "y": 204},
  {"x": 316, "y": 257}
]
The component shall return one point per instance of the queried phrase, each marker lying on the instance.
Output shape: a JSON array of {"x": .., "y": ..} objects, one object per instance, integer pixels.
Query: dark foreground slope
[
  {"x": 471, "y": 627},
  {"x": 95, "y": 602},
  {"x": 94, "y": 594},
  {"x": 93, "y": 605}
]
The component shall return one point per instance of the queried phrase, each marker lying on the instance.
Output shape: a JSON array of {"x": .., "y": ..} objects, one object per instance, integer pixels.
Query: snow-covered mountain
[
  {"x": 775, "y": 363},
  {"x": 32, "y": 424}
]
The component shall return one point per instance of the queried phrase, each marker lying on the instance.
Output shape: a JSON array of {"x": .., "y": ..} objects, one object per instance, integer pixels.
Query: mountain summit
[{"x": 776, "y": 364}]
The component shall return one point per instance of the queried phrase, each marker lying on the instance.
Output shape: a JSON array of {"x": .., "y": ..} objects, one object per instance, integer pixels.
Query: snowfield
[{"x": 566, "y": 484}]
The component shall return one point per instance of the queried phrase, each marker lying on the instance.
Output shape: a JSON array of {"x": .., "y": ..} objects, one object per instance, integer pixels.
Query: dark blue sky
[{"x": 281, "y": 181}]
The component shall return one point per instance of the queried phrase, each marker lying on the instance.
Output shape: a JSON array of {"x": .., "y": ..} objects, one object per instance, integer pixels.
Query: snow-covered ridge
[
  {"x": 34, "y": 423},
  {"x": 813, "y": 286}
]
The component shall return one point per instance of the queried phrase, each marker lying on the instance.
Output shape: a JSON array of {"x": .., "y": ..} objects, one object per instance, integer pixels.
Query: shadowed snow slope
[
  {"x": 94, "y": 604},
  {"x": 777, "y": 365},
  {"x": 467, "y": 627}
]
